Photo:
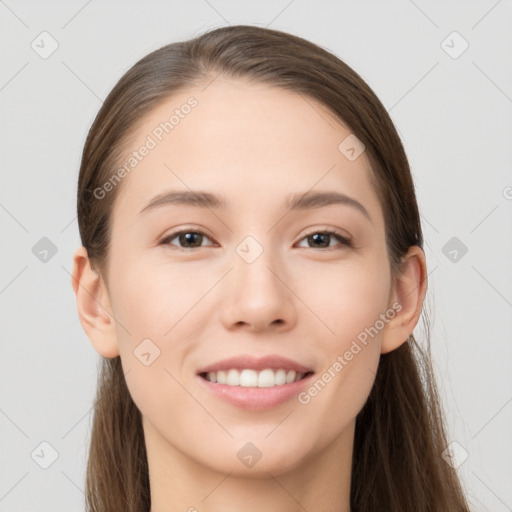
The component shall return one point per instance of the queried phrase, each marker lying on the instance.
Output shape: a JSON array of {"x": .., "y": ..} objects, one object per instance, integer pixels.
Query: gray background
[{"x": 454, "y": 117}]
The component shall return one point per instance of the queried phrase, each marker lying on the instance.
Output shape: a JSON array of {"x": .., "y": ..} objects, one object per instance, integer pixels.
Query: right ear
[{"x": 93, "y": 305}]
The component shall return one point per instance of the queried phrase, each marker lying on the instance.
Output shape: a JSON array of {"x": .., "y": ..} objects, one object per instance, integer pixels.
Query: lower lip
[{"x": 256, "y": 399}]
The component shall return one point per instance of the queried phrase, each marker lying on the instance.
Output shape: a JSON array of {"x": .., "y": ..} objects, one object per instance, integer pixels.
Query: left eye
[
  {"x": 318, "y": 238},
  {"x": 194, "y": 239}
]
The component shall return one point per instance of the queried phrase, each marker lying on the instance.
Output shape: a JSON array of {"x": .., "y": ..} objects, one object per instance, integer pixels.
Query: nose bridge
[
  {"x": 258, "y": 296},
  {"x": 253, "y": 263}
]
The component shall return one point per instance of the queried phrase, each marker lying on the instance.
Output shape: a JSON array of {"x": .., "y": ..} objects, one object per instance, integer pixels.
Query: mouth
[
  {"x": 253, "y": 390},
  {"x": 249, "y": 378},
  {"x": 255, "y": 384}
]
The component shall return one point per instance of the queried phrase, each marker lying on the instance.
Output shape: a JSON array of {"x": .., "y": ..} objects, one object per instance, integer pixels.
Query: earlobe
[
  {"x": 409, "y": 292},
  {"x": 93, "y": 305}
]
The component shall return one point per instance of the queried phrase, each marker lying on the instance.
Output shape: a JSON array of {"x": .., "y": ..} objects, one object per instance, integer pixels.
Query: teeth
[{"x": 253, "y": 379}]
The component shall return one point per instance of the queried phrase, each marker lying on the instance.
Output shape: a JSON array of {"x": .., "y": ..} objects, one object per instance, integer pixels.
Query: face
[{"x": 301, "y": 292}]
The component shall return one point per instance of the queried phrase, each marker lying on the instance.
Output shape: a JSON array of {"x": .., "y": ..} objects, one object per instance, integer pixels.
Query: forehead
[{"x": 252, "y": 143}]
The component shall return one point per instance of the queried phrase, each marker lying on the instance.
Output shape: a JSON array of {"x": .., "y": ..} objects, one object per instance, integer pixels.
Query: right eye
[{"x": 191, "y": 239}]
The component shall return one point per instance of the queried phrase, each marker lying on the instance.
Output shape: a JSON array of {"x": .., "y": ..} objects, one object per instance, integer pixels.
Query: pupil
[
  {"x": 316, "y": 237},
  {"x": 190, "y": 237}
]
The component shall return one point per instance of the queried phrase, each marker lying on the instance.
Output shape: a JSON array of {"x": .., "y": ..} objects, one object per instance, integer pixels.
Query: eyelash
[{"x": 344, "y": 241}]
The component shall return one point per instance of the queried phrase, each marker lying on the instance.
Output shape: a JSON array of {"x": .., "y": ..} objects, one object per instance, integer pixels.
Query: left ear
[{"x": 408, "y": 291}]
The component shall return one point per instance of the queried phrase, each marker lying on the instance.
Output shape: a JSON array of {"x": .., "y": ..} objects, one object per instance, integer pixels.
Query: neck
[{"x": 321, "y": 482}]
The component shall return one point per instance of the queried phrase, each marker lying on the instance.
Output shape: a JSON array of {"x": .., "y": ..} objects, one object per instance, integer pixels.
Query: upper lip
[{"x": 274, "y": 362}]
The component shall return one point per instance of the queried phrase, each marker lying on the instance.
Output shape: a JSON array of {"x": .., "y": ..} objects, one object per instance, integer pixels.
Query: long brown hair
[{"x": 400, "y": 432}]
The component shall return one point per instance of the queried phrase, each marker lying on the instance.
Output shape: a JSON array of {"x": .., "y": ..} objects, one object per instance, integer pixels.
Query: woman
[{"x": 251, "y": 273}]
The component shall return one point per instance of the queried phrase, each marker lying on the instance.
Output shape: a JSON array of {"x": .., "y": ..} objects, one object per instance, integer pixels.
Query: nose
[{"x": 259, "y": 296}]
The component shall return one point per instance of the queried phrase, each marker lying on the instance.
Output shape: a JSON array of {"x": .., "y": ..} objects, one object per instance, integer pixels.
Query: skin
[{"x": 253, "y": 144}]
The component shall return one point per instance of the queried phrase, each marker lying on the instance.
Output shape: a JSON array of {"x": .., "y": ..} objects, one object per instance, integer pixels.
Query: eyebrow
[{"x": 300, "y": 201}]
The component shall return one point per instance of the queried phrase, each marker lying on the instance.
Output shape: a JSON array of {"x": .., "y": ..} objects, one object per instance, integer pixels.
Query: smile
[{"x": 254, "y": 379}]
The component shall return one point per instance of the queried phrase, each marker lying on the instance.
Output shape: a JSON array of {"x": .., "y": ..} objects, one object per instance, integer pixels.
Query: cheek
[
  {"x": 157, "y": 308},
  {"x": 150, "y": 298},
  {"x": 151, "y": 303},
  {"x": 347, "y": 298},
  {"x": 352, "y": 302}
]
